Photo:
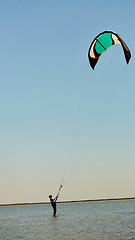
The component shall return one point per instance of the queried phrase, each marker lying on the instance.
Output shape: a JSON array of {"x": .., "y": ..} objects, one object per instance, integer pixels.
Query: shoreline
[{"x": 74, "y": 201}]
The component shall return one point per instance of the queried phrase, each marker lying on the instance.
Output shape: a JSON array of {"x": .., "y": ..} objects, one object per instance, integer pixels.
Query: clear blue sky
[{"x": 59, "y": 117}]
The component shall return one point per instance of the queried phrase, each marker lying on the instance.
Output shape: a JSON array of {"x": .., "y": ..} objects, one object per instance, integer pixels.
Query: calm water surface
[{"x": 77, "y": 221}]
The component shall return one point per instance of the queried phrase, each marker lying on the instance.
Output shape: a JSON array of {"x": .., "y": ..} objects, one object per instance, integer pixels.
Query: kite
[{"x": 102, "y": 42}]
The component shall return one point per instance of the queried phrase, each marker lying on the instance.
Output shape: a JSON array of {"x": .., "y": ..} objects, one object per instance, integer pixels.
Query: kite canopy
[{"x": 102, "y": 42}]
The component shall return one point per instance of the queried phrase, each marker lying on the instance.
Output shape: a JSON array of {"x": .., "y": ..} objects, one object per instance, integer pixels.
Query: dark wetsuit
[{"x": 53, "y": 202}]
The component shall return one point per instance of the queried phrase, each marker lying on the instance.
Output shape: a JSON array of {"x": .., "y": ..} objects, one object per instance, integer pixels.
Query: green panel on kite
[{"x": 103, "y": 42}]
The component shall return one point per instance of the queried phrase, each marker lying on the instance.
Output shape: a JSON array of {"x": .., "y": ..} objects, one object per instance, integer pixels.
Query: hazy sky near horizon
[{"x": 59, "y": 118}]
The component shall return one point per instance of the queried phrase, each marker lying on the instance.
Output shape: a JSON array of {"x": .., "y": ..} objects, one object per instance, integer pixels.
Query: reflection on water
[{"x": 88, "y": 220}]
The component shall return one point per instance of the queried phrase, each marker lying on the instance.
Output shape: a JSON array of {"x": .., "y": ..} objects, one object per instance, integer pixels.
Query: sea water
[{"x": 75, "y": 221}]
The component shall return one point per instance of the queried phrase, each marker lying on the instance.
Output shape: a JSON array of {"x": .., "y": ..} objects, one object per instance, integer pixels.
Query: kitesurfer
[{"x": 53, "y": 203}]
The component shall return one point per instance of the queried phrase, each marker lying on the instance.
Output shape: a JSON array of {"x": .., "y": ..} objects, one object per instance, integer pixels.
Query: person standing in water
[{"x": 53, "y": 203}]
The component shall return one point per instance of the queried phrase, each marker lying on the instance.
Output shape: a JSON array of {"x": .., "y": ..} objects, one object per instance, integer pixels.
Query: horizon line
[{"x": 68, "y": 201}]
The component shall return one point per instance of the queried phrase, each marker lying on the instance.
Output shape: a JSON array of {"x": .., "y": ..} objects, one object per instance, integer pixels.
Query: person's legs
[{"x": 54, "y": 209}]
